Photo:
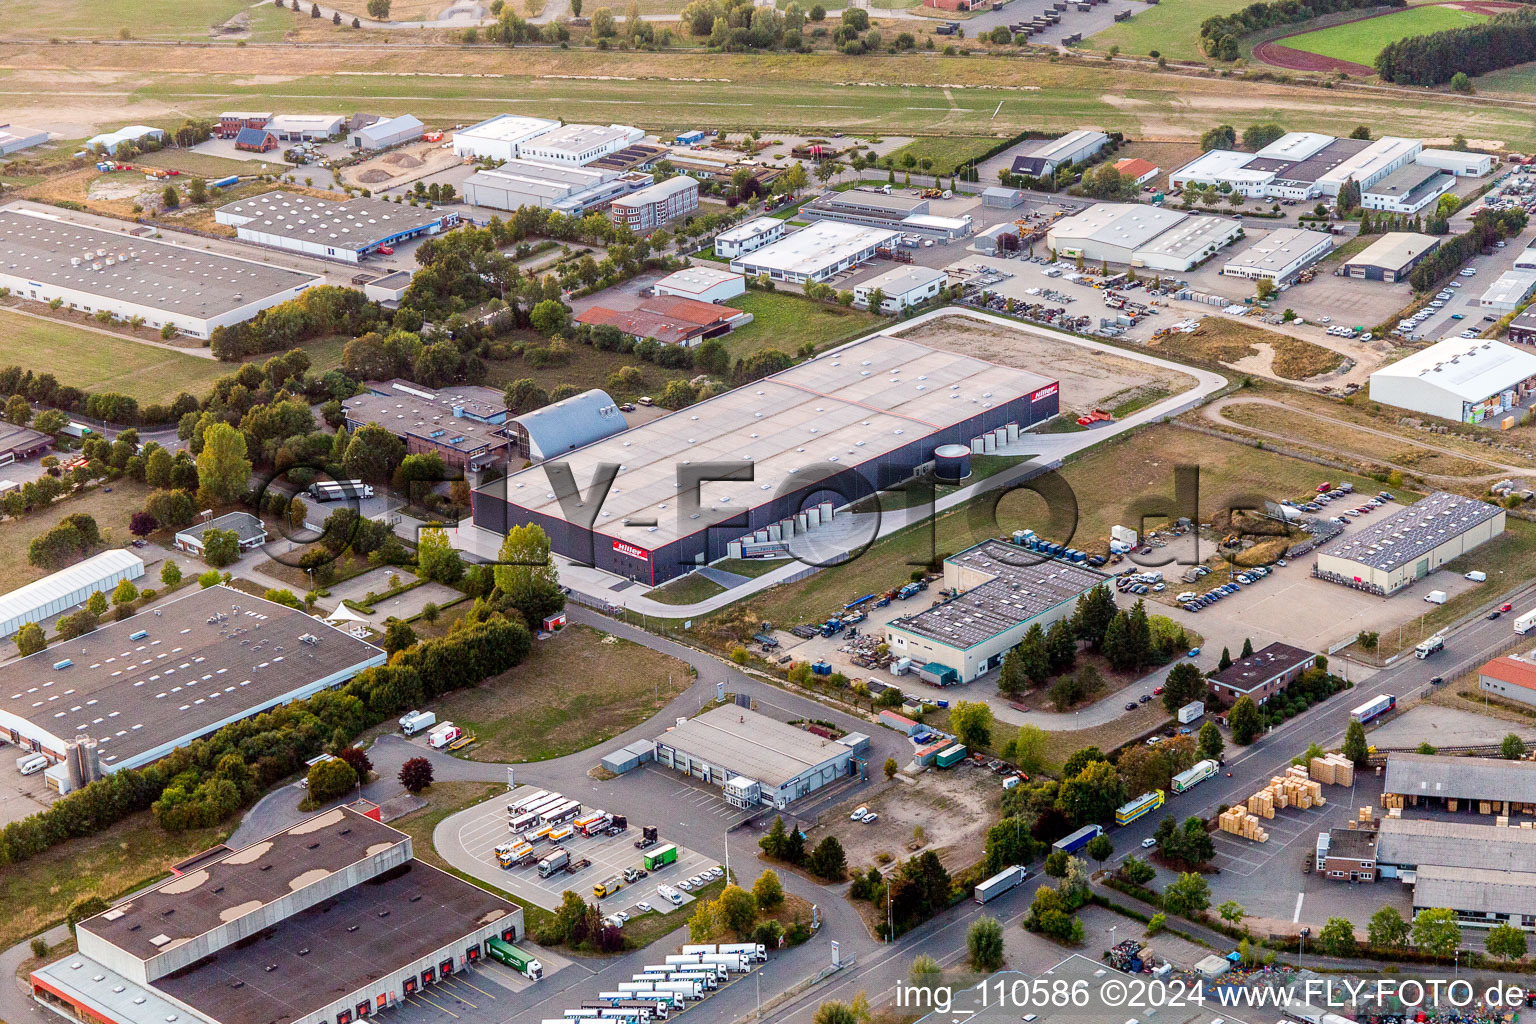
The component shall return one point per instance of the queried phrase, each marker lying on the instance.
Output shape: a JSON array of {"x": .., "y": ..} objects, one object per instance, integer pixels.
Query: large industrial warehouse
[
  {"x": 143, "y": 687},
  {"x": 1408, "y": 545},
  {"x": 815, "y": 253},
  {"x": 341, "y": 230},
  {"x": 1466, "y": 380},
  {"x": 1141, "y": 236},
  {"x": 327, "y": 922},
  {"x": 835, "y": 428},
  {"x": 1001, "y": 590},
  {"x": 93, "y": 270},
  {"x": 757, "y": 760},
  {"x": 567, "y": 189}
]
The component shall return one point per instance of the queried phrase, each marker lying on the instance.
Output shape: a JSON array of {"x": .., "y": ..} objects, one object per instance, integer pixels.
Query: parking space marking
[
  {"x": 452, "y": 983},
  {"x": 441, "y": 1007},
  {"x": 477, "y": 989},
  {"x": 1295, "y": 917}
]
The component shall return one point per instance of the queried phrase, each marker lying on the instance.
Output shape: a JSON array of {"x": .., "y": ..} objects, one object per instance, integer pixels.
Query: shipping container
[
  {"x": 950, "y": 756},
  {"x": 660, "y": 857}
]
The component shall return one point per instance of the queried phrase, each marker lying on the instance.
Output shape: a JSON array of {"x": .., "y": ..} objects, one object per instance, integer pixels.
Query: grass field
[
  {"x": 1172, "y": 29},
  {"x": 111, "y": 512},
  {"x": 948, "y": 154},
  {"x": 1519, "y": 80},
  {"x": 784, "y": 321},
  {"x": 588, "y": 368},
  {"x": 576, "y": 689},
  {"x": 1360, "y": 41},
  {"x": 101, "y": 19},
  {"x": 130, "y": 854},
  {"x": 1104, "y": 480},
  {"x": 686, "y": 590}
]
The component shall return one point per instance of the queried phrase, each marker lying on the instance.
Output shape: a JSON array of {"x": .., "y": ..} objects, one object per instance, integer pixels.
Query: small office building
[
  {"x": 18, "y": 443},
  {"x": 747, "y": 236},
  {"x": 757, "y": 760},
  {"x": 249, "y": 530},
  {"x": 1391, "y": 257},
  {"x": 1137, "y": 170},
  {"x": 1410, "y": 544},
  {"x": 657, "y": 205},
  {"x": 900, "y": 288},
  {"x": 465, "y": 425},
  {"x": 1408, "y": 189},
  {"x": 1263, "y": 673},
  {"x": 1512, "y": 677},
  {"x": 1522, "y": 329},
  {"x": 1038, "y": 159},
  {"x": 233, "y": 122},
  {"x": 1512, "y": 290},
  {"x": 702, "y": 283}
]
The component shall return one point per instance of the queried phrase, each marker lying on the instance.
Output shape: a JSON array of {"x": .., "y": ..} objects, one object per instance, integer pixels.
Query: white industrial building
[
  {"x": 1511, "y": 291},
  {"x": 745, "y": 237},
  {"x": 109, "y": 141},
  {"x": 565, "y": 189},
  {"x": 90, "y": 270},
  {"x": 1408, "y": 189},
  {"x": 815, "y": 253},
  {"x": 757, "y": 760},
  {"x": 702, "y": 283},
  {"x": 1461, "y": 379},
  {"x": 1039, "y": 159},
  {"x": 390, "y": 132},
  {"x": 14, "y": 138},
  {"x": 1001, "y": 589},
  {"x": 1280, "y": 255},
  {"x": 342, "y": 230},
  {"x": 1299, "y": 165},
  {"x": 575, "y": 145},
  {"x": 1141, "y": 236},
  {"x": 67, "y": 589},
  {"x": 498, "y": 138},
  {"x": 900, "y": 288},
  {"x": 1463, "y": 165},
  {"x": 1410, "y": 544},
  {"x": 306, "y": 127}
]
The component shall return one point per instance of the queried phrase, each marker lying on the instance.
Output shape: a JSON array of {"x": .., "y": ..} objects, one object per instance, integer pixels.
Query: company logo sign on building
[{"x": 631, "y": 551}]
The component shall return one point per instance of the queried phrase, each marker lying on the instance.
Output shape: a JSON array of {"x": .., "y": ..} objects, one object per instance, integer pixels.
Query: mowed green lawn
[
  {"x": 1172, "y": 28},
  {"x": 100, "y": 362},
  {"x": 948, "y": 153},
  {"x": 786, "y": 322},
  {"x": 1361, "y": 41}
]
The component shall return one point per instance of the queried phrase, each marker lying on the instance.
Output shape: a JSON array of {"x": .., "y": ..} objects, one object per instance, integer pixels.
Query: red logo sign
[
  {"x": 631, "y": 551},
  {"x": 1045, "y": 392}
]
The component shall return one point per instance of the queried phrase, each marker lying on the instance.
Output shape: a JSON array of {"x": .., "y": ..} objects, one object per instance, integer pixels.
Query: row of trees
[
  {"x": 44, "y": 389},
  {"x": 1221, "y": 36},
  {"x": 1504, "y": 40},
  {"x": 316, "y": 312},
  {"x": 1488, "y": 227}
]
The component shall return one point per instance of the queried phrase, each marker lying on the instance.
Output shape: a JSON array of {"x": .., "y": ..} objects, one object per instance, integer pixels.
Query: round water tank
[{"x": 952, "y": 462}]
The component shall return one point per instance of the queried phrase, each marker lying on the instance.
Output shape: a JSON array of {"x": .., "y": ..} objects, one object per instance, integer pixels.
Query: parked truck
[
  {"x": 608, "y": 886},
  {"x": 514, "y": 853},
  {"x": 1525, "y": 623},
  {"x": 413, "y": 722},
  {"x": 1196, "y": 775},
  {"x": 1081, "y": 838},
  {"x": 441, "y": 736},
  {"x": 1000, "y": 883},
  {"x": 1191, "y": 711},
  {"x": 660, "y": 857},
  {"x": 519, "y": 960},
  {"x": 556, "y": 860}
]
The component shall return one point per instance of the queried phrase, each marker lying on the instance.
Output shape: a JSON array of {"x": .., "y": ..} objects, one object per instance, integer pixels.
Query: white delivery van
[{"x": 33, "y": 764}]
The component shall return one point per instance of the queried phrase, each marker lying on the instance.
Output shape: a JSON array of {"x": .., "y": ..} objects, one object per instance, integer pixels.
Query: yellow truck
[{"x": 607, "y": 887}]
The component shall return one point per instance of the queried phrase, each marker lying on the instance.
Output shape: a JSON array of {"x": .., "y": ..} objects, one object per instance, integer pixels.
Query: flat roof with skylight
[
  {"x": 355, "y": 224},
  {"x": 1400, "y": 538}
]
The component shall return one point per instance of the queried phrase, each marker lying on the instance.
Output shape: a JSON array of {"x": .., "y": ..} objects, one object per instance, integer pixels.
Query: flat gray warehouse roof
[
  {"x": 1410, "y": 533},
  {"x": 353, "y": 224},
  {"x": 761, "y": 748},
  {"x": 207, "y": 658},
  {"x": 1023, "y": 586},
  {"x": 845, "y": 407},
  {"x": 1479, "y": 890},
  {"x": 404, "y": 915},
  {"x": 190, "y": 282},
  {"x": 1461, "y": 778},
  {"x": 1455, "y": 844}
]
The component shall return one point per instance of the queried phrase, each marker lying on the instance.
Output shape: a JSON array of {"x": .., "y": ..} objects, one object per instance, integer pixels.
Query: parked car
[
  {"x": 1148, "y": 843},
  {"x": 1131, "y": 706}
]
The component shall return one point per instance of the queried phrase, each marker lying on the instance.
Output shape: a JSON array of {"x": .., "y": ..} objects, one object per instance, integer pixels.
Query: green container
[{"x": 950, "y": 756}]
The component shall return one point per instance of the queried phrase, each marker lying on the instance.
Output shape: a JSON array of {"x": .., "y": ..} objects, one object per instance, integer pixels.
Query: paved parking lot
[
  {"x": 21, "y": 796},
  {"x": 1465, "y": 299},
  {"x": 479, "y": 830}
]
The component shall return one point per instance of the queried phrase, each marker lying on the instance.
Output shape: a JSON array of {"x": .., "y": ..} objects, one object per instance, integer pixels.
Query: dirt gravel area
[
  {"x": 400, "y": 166},
  {"x": 1087, "y": 377},
  {"x": 954, "y": 808}
]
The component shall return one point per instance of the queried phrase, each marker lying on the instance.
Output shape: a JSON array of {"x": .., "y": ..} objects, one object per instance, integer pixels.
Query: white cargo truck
[
  {"x": 1191, "y": 711},
  {"x": 1000, "y": 883},
  {"x": 1525, "y": 622},
  {"x": 413, "y": 722},
  {"x": 750, "y": 950},
  {"x": 442, "y": 735}
]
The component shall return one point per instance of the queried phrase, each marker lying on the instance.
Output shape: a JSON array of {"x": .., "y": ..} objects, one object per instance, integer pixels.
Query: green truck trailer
[
  {"x": 519, "y": 960},
  {"x": 950, "y": 756},
  {"x": 661, "y": 857}
]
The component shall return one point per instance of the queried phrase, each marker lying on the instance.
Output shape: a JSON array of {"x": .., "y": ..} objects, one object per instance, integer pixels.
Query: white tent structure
[{"x": 67, "y": 588}]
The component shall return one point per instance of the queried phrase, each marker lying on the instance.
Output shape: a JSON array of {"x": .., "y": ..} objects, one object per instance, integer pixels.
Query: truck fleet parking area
[{"x": 479, "y": 833}]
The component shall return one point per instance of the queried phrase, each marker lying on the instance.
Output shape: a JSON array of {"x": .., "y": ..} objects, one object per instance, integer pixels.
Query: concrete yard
[
  {"x": 1441, "y": 726},
  {"x": 478, "y": 830}
]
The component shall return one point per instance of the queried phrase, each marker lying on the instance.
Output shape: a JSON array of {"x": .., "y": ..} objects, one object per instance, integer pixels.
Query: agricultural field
[
  {"x": 1360, "y": 41},
  {"x": 785, "y": 321},
  {"x": 1172, "y": 29},
  {"x": 103, "y": 19}
]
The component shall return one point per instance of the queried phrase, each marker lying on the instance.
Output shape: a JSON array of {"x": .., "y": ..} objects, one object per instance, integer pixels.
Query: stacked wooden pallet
[
  {"x": 1392, "y": 801},
  {"x": 1240, "y": 823},
  {"x": 1333, "y": 770}
]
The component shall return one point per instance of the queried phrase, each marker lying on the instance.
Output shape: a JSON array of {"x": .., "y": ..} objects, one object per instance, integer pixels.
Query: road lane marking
[{"x": 1296, "y": 917}]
